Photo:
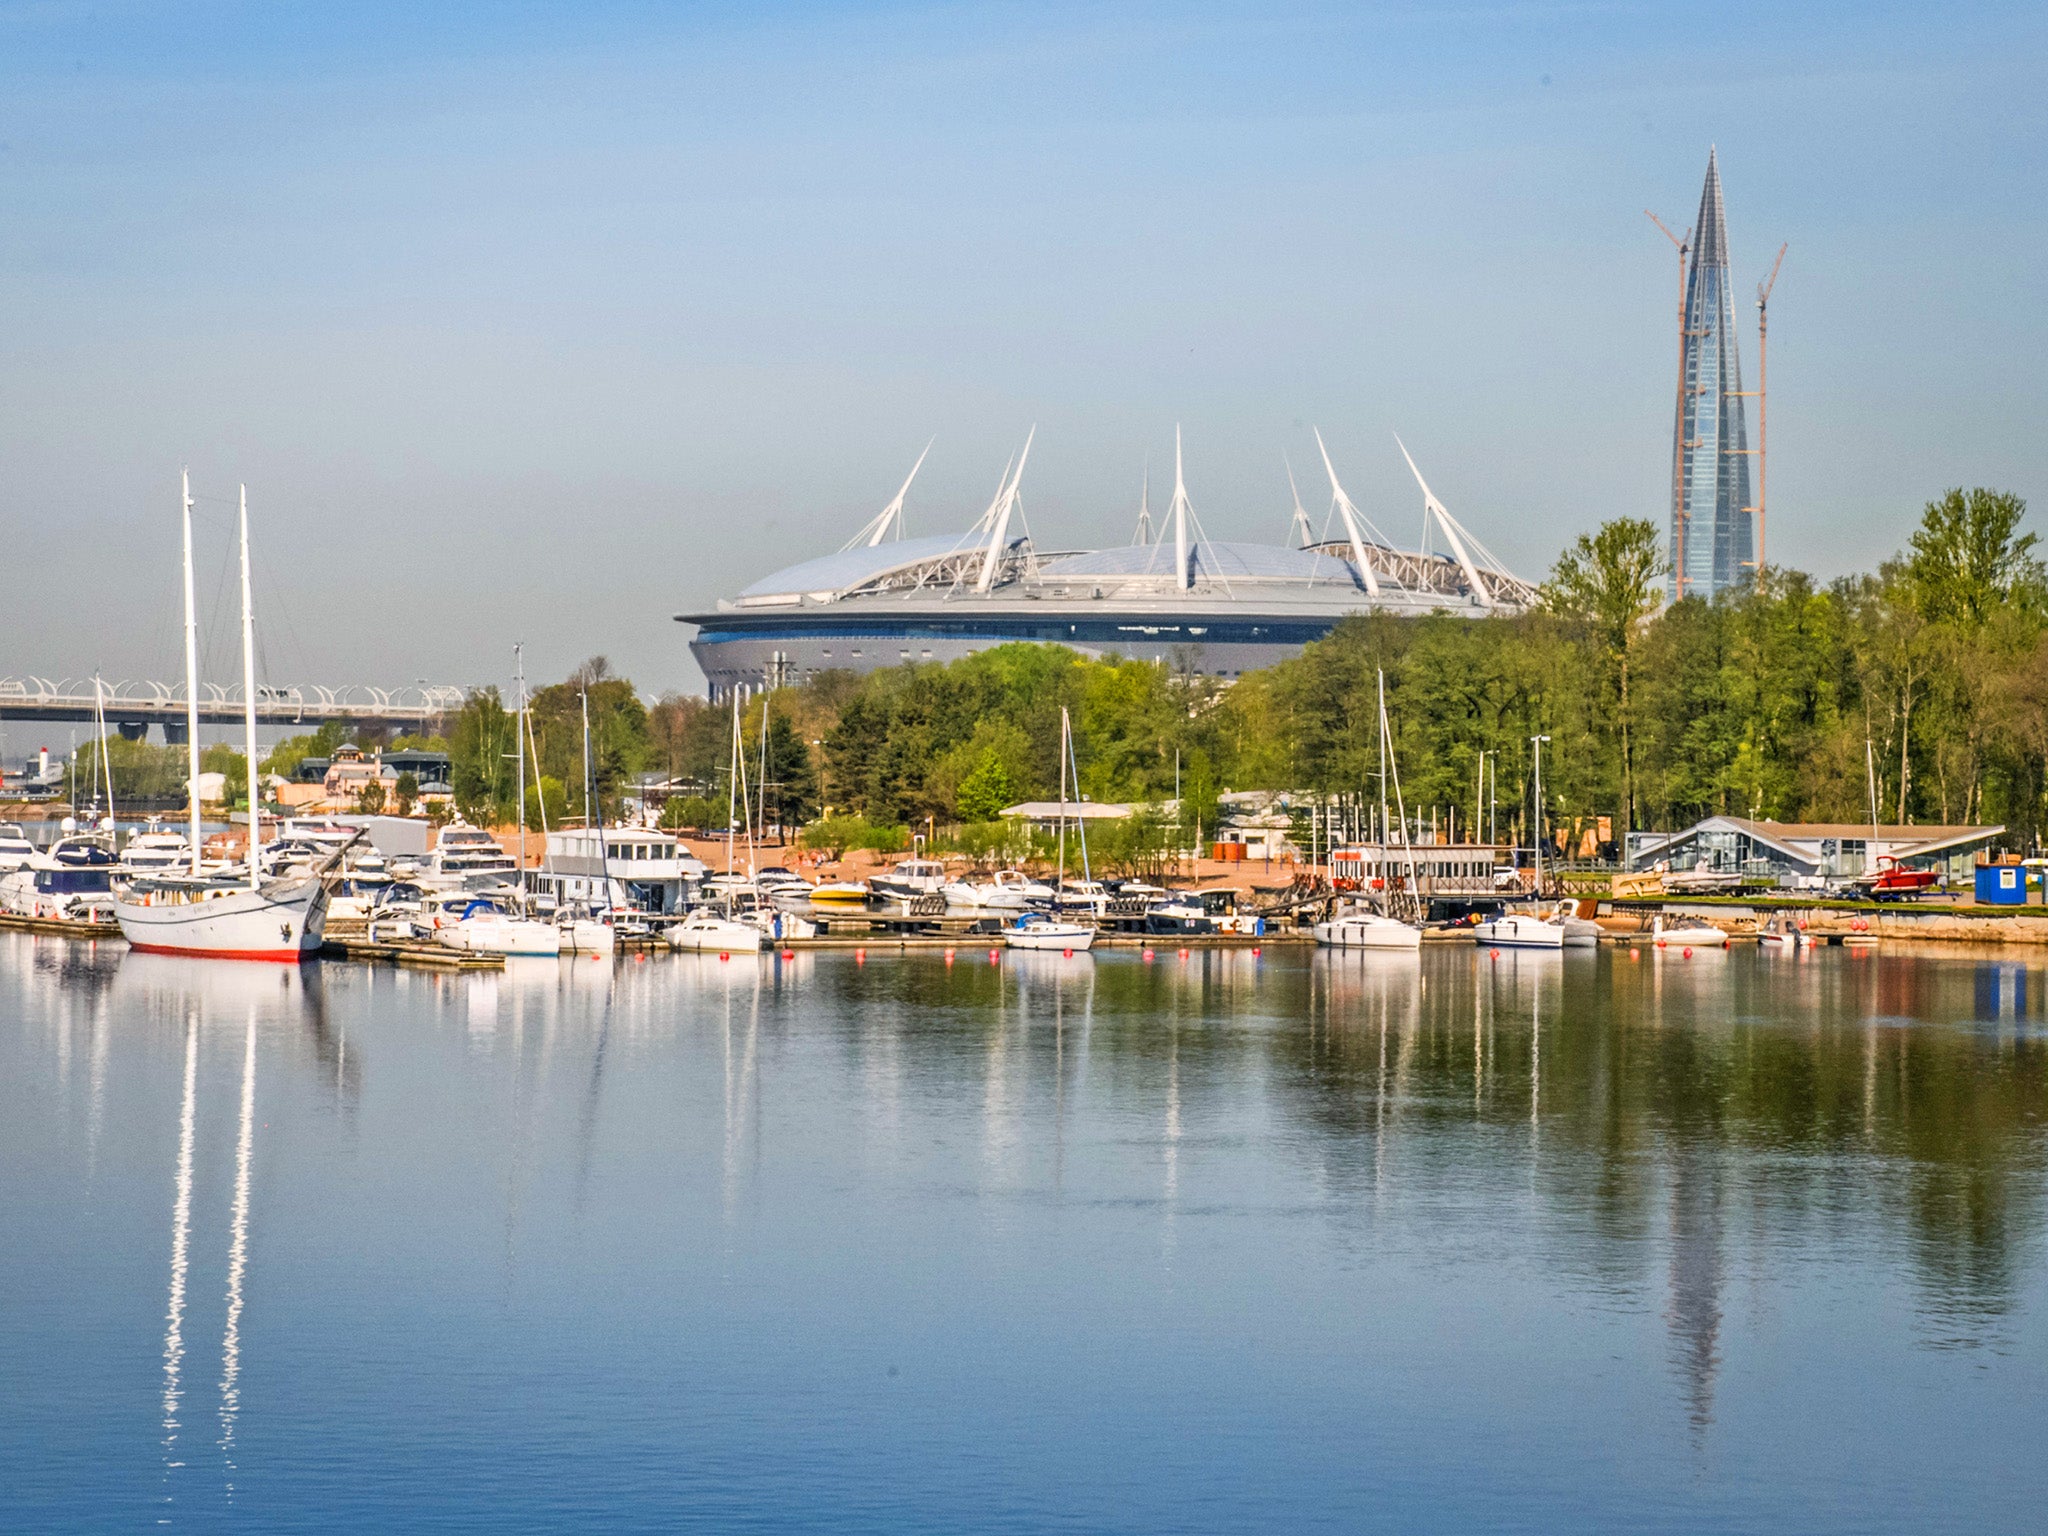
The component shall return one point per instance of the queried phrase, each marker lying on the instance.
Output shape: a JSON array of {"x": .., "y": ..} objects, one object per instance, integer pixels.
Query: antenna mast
[{"x": 1680, "y": 514}]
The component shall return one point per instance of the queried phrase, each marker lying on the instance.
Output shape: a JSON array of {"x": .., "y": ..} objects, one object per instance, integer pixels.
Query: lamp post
[{"x": 1537, "y": 743}]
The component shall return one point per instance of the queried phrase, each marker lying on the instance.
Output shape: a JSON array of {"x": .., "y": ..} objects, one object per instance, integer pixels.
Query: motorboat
[
  {"x": 707, "y": 930},
  {"x": 1081, "y": 896},
  {"x": 775, "y": 880},
  {"x": 351, "y": 897},
  {"x": 1892, "y": 879},
  {"x": 71, "y": 881},
  {"x": 1694, "y": 935},
  {"x": 839, "y": 893},
  {"x": 471, "y": 856},
  {"x": 1579, "y": 932},
  {"x": 155, "y": 852},
  {"x": 911, "y": 877},
  {"x": 1368, "y": 930},
  {"x": 487, "y": 928},
  {"x": 1034, "y": 930},
  {"x": 1007, "y": 890},
  {"x": 1519, "y": 930},
  {"x": 396, "y": 913},
  {"x": 15, "y": 848},
  {"x": 1782, "y": 933}
]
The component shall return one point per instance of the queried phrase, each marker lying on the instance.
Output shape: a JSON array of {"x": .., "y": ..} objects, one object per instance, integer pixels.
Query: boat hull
[
  {"x": 1056, "y": 936},
  {"x": 1351, "y": 934},
  {"x": 1519, "y": 933},
  {"x": 235, "y": 925},
  {"x": 718, "y": 937}
]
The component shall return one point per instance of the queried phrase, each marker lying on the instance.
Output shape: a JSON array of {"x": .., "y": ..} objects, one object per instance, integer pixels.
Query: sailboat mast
[
  {"x": 191, "y": 677},
  {"x": 249, "y": 706},
  {"x": 732, "y": 799},
  {"x": 1062, "y": 878},
  {"x": 590, "y": 807},
  {"x": 519, "y": 755}
]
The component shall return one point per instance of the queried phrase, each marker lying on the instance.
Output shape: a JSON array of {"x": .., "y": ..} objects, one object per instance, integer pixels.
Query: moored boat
[
  {"x": 1034, "y": 930},
  {"x": 1519, "y": 930},
  {"x": 1367, "y": 930}
]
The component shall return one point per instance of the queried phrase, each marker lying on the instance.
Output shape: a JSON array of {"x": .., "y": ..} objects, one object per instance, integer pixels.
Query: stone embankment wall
[{"x": 1938, "y": 924}]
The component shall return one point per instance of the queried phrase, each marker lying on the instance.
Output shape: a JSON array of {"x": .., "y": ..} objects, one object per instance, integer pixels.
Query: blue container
[{"x": 2001, "y": 885}]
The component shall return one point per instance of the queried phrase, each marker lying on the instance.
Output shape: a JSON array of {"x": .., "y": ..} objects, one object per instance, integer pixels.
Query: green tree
[
  {"x": 988, "y": 791},
  {"x": 1968, "y": 557},
  {"x": 480, "y": 768},
  {"x": 408, "y": 792},
  {"x": 1607, "y": 585},
  {"x": 370, "y": 798}
]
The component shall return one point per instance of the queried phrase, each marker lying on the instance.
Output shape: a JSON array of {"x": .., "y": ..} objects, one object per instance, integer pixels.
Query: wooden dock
[
  {"x": 437, "y": 957},
  {"x": 58, "y": 928}
]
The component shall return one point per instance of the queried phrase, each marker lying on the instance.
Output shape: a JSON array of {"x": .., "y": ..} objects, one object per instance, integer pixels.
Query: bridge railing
[{"x": 69, "y": 694}]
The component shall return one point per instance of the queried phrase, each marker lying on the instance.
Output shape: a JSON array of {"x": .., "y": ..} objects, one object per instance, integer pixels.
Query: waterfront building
[
  {"x": 1793, "y": 849},
  {"x": 1713, "y": 535},
  {"x": 1175, "y": 596},
  {"x": 635, "y": 868}
]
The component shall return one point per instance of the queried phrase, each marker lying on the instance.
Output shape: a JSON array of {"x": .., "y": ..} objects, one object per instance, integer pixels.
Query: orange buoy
[
  {"x": 1493, "y": 954},
  {"x": 860, "y": 957}
]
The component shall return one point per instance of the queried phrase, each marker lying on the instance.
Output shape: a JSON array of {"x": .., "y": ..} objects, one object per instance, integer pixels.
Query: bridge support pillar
[
  {"x": 175, "y": 733},
  {"x": 133, "y": 730}
]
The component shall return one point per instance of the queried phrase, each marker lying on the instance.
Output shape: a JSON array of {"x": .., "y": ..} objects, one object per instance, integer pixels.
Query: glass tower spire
[{"x": 1713, "y": 538}]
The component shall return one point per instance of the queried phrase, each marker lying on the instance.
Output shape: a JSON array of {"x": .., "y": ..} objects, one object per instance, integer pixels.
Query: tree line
[{"x": 1925, "y": 682}]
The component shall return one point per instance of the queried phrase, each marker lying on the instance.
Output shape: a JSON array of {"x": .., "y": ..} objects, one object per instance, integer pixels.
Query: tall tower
[{"x": 1712, "y": 534}]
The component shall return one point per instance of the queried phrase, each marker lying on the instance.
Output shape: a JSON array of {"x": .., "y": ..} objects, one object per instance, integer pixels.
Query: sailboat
[
  {"x": 1038, "y": 930},
  {"x": 590, "y": 932},
  {"x": 1361, "y": 927},
  {"x": 224, "y": 917},
  {"x": 706, "y": 928}
]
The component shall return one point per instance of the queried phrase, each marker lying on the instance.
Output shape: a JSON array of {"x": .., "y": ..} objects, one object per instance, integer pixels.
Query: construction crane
[
  {"x": 1679, "y": 512},
  {"x": 1763, "y": 400}
]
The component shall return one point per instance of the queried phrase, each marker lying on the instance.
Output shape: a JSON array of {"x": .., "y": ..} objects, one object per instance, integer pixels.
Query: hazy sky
[{"x": 544, "y": 323}]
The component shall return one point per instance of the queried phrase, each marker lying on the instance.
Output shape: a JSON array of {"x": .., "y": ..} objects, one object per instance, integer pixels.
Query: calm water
[{"x": 1281, "y": 1243}]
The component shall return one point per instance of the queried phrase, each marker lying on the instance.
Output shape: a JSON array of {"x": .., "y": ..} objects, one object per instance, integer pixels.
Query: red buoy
[
  {"x": 1688, "y": 953},
  {"x": 1068, "y": 953},
  {"x": 1148, "y": 957},
  {"x": 724, "y": 955}
]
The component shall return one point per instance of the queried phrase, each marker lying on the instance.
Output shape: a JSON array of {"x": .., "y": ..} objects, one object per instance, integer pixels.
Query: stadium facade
[
  {"x": 1713, "y": 539},
  {"x": 1171, "y": 596}
]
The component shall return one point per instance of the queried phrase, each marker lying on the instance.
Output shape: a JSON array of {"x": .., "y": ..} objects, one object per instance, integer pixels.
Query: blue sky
[{"x": 543, "y": 323}]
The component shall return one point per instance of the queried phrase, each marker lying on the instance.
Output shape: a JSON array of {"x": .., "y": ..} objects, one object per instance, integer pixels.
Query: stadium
[{"x": 1172, "y": 595}]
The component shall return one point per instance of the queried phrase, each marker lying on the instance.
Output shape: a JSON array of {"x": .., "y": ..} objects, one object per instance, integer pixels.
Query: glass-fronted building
[{"x": 1713, "y": 535}]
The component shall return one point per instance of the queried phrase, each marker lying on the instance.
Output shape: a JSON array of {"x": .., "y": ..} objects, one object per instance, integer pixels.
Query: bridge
[{"x": 133, "y": 707}]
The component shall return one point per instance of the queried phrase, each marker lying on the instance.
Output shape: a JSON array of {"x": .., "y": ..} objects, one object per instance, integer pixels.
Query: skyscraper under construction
[{"x": 1713, "y": 537}]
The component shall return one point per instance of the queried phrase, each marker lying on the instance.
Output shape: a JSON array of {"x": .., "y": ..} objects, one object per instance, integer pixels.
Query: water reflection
[{"x": 1692, "y": 1144}]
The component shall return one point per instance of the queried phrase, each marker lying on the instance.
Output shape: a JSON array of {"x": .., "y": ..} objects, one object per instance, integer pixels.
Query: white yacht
[
  {"x": 1007, "y": 890},
  {"x": 485, "y": 927},
  {"x": 1034, "y": 930},
  {"x": 470, "y": 856},
  {"x": 709, "y": 930},
  {"x": 1363, "y": 929},
  {"x": 1519, "y": 930},
  {"x": 1686, "y": 935},
  {"x": 155, "y": 852},
  {"x": 71, "y": 881},
  {"x": 911, "y": 877},
  {"x": 15, "y": 848}
]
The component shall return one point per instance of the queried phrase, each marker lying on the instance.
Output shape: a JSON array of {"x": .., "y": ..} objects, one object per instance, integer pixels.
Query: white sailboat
[
  {"x": 707, "y": 929},
  {"x": 1035, "y": 930},
  {"x": 1361, "y": 927},
  {"x": 223, "y": 918}
]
